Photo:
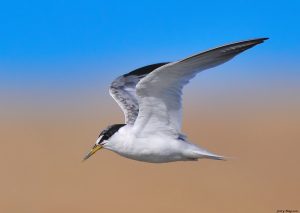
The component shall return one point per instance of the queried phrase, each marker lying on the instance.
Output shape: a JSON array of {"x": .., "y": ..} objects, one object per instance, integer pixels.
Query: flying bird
[{"x": 150, "y": 98}]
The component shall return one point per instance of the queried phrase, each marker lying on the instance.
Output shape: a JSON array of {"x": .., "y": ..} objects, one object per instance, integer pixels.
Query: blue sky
[{"x": 72, "y": 41}]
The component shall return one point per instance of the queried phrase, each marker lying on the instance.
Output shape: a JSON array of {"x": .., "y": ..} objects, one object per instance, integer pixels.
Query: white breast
[{"x": 150, "y": 148}]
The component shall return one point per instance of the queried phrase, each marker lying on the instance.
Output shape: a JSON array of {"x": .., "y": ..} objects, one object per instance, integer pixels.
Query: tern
[{"x": 150, "y": 98}]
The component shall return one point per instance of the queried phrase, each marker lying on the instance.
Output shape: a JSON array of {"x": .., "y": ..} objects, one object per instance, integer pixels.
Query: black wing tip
[
  {"x": 257, "y": 40},
  {"x": 262, "y": 39},
  {"x": 249, "y": 43}
]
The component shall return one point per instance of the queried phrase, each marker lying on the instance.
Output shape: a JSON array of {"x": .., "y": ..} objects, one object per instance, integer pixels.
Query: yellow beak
[{"x": 93, "y": 151}]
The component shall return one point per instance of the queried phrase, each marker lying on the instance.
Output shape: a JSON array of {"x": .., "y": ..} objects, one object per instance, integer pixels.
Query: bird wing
[
  {"x": 122, "y": 89},
  {"x": 159, "y": 93}
]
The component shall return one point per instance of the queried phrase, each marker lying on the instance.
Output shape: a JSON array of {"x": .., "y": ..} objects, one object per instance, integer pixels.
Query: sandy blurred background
[{"x": 256, "y": 120}]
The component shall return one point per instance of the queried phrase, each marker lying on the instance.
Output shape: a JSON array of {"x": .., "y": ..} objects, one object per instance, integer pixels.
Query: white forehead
[{"x": 99, "y": 139}]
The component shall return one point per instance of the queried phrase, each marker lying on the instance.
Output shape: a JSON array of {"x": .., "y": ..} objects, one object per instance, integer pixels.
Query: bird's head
[{"x": 103, "y": 138}]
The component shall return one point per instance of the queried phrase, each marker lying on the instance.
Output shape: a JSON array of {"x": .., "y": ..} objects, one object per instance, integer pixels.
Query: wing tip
[
  {"x": 250, "y": 42},
  {"x": 257, "y": 40},
  {"x": 263, "y": 38}
]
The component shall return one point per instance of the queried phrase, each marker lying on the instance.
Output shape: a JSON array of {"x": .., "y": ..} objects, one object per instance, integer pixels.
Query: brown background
[{"x": 43, "y": 142}]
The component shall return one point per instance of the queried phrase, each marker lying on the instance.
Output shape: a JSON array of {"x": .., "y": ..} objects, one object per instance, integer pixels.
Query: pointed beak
[{"x": 93, "y": 151}]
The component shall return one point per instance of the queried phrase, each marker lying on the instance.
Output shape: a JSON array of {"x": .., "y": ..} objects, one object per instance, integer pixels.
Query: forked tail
[{"x": 209, "y": 155}]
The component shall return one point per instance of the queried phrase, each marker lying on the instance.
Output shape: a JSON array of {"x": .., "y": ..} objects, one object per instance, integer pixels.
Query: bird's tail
[{"x": 208, "y": 155}]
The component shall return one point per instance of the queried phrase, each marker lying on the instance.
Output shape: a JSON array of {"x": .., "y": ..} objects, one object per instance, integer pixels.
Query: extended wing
[
  {"x": 159, "y": 93},
  {"x": 123, "y": 92}
]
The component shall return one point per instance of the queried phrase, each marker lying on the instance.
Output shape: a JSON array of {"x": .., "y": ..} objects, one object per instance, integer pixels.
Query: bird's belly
[
  {"x": 153, "y": 152},
  {"x": 153, "y": 158}
]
